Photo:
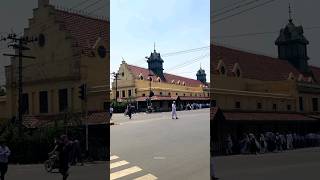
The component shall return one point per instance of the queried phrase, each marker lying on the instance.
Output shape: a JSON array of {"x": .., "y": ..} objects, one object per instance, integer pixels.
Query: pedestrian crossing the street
[{"x": 122, "y": 169}]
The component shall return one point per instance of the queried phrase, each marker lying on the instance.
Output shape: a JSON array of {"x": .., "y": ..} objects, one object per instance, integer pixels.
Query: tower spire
[
  {"x": 290, "y": 13},
  {"x": 154, "y": 46}
]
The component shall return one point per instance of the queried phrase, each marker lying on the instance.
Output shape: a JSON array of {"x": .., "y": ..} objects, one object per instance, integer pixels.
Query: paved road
[
  {"x": 97, "y": 171},
  {"x": 292, "y": 165},
  {"x": 154, "y": 146}
]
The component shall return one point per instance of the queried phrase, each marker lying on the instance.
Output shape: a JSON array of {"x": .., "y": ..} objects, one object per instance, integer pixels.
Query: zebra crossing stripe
[
  {"x": 113, "y": 158},
  {"x": 125, "y": 172},
  {"x": 118, "y": 164},
  {"x": 147, "y": 177}
]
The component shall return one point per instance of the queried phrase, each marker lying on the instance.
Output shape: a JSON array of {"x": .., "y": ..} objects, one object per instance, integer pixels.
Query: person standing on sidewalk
[
  {"x": 174, "y": 110},
  {"x": 4, "y": 156},
  {"x": 129, "y": 111},
  {"x": 111, "y": 111}
]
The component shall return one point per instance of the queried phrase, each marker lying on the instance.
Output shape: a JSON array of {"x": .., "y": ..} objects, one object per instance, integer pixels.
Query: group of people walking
[{"x": 269, "y": 142}]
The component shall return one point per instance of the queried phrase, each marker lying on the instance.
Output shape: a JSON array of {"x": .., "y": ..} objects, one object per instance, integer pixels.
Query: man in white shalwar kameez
[{"x": 174, "y": 111}]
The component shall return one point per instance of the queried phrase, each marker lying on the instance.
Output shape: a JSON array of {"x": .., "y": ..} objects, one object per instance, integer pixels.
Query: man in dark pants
[
  {"x": 129, "y": 111},
  {"x": 76, "y": 155},
  {"x": 64, "y": 153},
  {"x": 4, "y": 155}
]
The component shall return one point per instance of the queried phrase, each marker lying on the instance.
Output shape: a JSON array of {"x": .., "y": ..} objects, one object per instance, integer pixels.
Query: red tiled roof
[
  {"x": 36, "y": 121},
  {"x": 168, "y": 77},
  {"x": 98, "y": 118},
  {"x": 94, "y": 118},
  {"x": 194, "y": 98},
  {"x": 157, "y": 98},
  {"x": 253, "y": 66},
  {"x": 84, "y": 30},
  {"x": 173, "y": 98},
  {"x": 266, "y": 116}
]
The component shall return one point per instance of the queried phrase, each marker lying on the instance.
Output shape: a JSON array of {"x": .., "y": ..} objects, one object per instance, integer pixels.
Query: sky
[
  {"x": 268, "y": 18},
  {"x": 173, "y": 25},
  {"x": 14, "y": 16}
]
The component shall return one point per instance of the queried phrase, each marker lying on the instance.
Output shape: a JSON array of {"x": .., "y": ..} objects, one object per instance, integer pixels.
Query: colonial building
[
  {"x": 72, "y": 49},
  {"x": 254, "y": 93},
  {"x": 136, "y": 83}
]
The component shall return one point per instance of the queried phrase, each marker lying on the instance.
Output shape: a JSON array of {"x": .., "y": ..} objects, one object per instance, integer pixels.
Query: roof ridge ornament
[{"x": 290, "y": 13}]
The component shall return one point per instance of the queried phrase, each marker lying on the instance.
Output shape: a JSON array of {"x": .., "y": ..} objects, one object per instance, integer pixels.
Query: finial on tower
[
  {"x": 154, "y": 46},
  {"x": 290, "y": 13}
]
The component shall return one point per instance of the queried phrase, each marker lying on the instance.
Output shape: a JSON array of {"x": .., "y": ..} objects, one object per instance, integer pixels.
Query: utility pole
[
  {"x": 18, "y": 44},
  {"x": 83, "y": 95}
]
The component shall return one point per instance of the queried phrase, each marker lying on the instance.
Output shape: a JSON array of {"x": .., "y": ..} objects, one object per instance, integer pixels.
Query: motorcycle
[{"x": 52, "y": 162}]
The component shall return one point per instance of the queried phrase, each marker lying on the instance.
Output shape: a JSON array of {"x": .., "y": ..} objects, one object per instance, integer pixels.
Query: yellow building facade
[
  {"x": 135, "y": 83},
  {"x": 72, "y": 49}
]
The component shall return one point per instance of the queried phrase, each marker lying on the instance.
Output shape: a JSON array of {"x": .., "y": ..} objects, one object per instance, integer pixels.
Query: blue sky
[{"x": 174, "y": 25}]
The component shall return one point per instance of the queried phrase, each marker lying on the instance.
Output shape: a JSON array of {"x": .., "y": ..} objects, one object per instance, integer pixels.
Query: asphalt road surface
[
  {"x": 154, "y": 146},
  {"x": 96, "y": 171},
  {"x": 291, "y": 165}
]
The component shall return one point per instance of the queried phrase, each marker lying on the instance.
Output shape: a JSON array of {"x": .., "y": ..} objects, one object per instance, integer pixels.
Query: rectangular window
[
  {"x": 129, "y": 93},
  {"x": 237, "y": 105},
  {"x": 289, "y": 107},
  {"x": 123, "y": 94},
  {"x": 63, "y": 100},
  {"x": 301, "y": 103},
  {"x": 274, "y": 107},
  {"x": 259, "y": 106},
  {"x": 160, "y": 93},
  {"x": 25, "y": 103},
  {"x": 117, "y": 94},
  {"x": 315, "y": 104},
  {"x": 43, "y": 101}
]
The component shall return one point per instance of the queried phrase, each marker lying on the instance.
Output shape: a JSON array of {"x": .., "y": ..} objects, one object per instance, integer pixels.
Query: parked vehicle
[{"x": 52, "y": 163}]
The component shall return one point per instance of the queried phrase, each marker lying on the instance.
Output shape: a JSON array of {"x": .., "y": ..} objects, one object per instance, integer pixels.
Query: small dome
[{"x": 201, "y": 72}]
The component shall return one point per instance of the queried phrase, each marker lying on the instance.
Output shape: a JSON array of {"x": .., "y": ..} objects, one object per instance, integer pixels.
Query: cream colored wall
[
  {"x": 129, "y": 82},
  {"x": 228, "y": 90},
  {"x": 307, "y": 102},
  {"x": 55, "y": 68},
  {"x": 124, "y": 83}
]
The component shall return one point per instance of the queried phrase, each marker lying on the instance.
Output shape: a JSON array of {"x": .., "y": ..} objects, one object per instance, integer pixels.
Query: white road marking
[
  {"x": 146, "y": 177},
  {"x": 118, "y": 164},
  {"x": 125, "y": 172}
]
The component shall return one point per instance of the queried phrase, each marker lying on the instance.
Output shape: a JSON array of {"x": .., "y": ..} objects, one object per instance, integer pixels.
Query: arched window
[
  {"x": 236, "y": 70},
  {"x": 178, "y": 82},
  {"x": 238, "y": 73},
  {"x": 140, "y": 76},
  {"x": 172, "y": 81},
  {"x": 184, "y": 83},
  {"x": 222, "y": 70},
  {"x": 159, "y": 79}
]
